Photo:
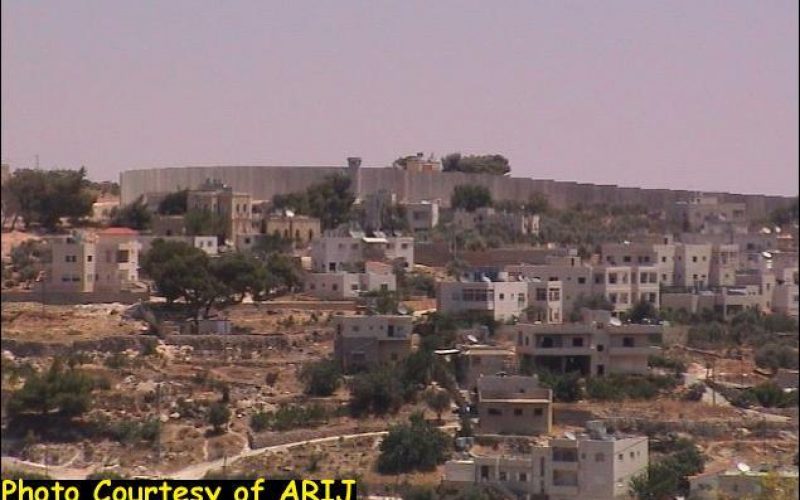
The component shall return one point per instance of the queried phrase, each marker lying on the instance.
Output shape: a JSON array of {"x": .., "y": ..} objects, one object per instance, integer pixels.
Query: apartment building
[
  {"x": 105, "y": 261},
  {"x": 737, "y": 483},
  {"x": 488, "y": 290},
  {"x": 786, "y": 294},
  {"x": 588, "y": 466},
  {"x": 235, "y": 209},
  {"x": 362, "y": 341},
  {"x": 596, "y": 346},
  {"x": 347, "y": 250},
  {"x": 514, "y": 222},
  {"x": 513, "y": 404}
]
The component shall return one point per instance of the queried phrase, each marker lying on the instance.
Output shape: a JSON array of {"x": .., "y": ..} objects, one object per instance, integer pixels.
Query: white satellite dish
[
  {"x": 743, "y": 467},
  {"x": 777, "y": 229},
  {"x": 486, "y": 279},
  {"x": 615, "y": 322},
  {"x": 766, "y": 230},
  {"x": 289, "y": 213},
  {"x": 570, "y": 435},
  {"x": 472, "y": 339},
  {"x": 766, "y": 255},
  {"x": 402, "y": 310}
]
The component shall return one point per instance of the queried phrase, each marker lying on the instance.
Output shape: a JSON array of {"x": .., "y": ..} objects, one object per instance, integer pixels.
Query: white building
[
  {"x": 515, "y": 222},
  {"x": 587, "y": 466},
  {"x": 339, "y": 251}
]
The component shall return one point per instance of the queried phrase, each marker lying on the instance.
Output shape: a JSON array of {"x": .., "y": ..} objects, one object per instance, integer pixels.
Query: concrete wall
[
  {"x": 68, "y": 298},
  {"x": 264, "y": 182}
]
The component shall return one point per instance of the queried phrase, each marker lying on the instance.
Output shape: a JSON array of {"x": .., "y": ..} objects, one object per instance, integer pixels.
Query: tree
[
  {"x": 321, "y": 378},
  {"x": 175, "y": 203},
  {"x": 668, "y": 477},
  {"x": 218, "y": 416},
  {"x": 470, "y": 197},
  {"x": 204, "y": 223},
  {"x": 415, "y": 446},
  {"x": 438, "y": 400},
  {"x": 44, "y": 197},
  {"x": 242, "y": 274},
  {"x": 537, "y": 204},
  {"x": 378, "y": 391},
  {"x": 476, "y": 164},
  {"x": 135, "y": 215},
  {"x": 642, "y": 310},
  {"x": 774, "y": 356},
  {"x": 330, "y": 200},
  {"x": 786, "y": 215}
]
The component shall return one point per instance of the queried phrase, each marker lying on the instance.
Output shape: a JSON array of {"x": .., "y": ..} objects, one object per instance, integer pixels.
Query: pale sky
[{"x": 693, "y": 94}]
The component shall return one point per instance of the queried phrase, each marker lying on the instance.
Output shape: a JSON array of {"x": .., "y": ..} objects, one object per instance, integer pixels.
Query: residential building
[
  {"x": 704, "y": 213},
  {"x": 362, "y": 341},
  {"x": 169, "y": 225},
  {"x": 741, "y": 483},
  {"x": 514, "y": 222},
  {"x": 475, "y": 361},
  {"x": 589, "y": 466},
  {"x": 786, "y": 294},
  {"x": 596, "y": 346},
  {"x": 502, "y": 299},
  {"x": 105, "y": 261},
  {"x": 235, "y": 209},
  {"x": 513, "y": 404},
  {"x": 545, "y": 303},
  {"x": 301, "y": 229},
  {"x": 346, "y": 250},
  {"x": 422, "y": 216},
  {"x": 343, "y": 285}
]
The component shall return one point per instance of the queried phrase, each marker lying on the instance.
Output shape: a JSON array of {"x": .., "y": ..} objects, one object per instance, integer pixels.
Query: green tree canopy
[
  {"x": 45, "y": 196},
  {"x": 135, "y": 215},
  {"x": 415, "y": 446},
  {"x": 476, "y": 164},
  {"x": 330, "y": 200},
  {"x": 63, "y": 390},
  {"x": 470, "y": 197},
  {"x": 174, "y": 203},
  {"x": 321, "y": 378}
]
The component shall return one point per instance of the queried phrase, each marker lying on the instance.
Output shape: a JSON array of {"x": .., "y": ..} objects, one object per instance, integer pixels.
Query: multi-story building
[
  {"x": 475, "y": 361},
  {"x": 106, "y": 261},
  {"x": 513, "y": 404},
  {"x": 422, "y": 216},
  {"x": 588, "y": 466},
  {"x": 363, "y": 341},
  {"x": 514, "y": 222},
  {"x": 597, "y": 346},
  {"x": 704, "y": 213},
  {"x": 499, "y": 297},
  {"x": 235, "y": 209},
  {"x": 301, "y": 229},
  {"x": 738, "y": 483},
  {"x": 347, "y": 250},
  {"x": 785, "y": 296}
]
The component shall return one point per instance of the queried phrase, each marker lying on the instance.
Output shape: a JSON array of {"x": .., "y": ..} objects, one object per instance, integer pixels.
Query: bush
[
  {"x": 321, "y": 378},
  {"x": 566, "y": 388},
  {"x": 675, "y": 365},
  {"x": 129, "y": 431},
  {"x": 695, "y": 392},
  {"x": 289, "y": 417},
  {"x": 415, "y": 446},
  {"x": 667, "y": 478},
  {"x": 218, "y": 416},
  {"x": 66, "y": 390},
  {"x": 618, "y": 387},
  {"x": 773, "y": 356}
]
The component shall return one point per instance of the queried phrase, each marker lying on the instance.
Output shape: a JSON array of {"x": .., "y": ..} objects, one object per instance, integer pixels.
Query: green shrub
[
  {"x": 415, "y": 446},
  {"x": 321, "y": 378}
]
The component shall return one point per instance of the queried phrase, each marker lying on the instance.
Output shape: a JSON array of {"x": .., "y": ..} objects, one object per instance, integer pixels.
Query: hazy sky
[{"x": 690, "y": 94}]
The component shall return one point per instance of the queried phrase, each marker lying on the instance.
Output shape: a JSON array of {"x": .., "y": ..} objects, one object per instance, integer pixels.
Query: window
[
  {"x": 581, "y": 280},
  {"x": 627, "y": 342},
  {"x": 502, "y": 296},
  {"x": 663, "y": 259},
  {"x": 88, "y": 258},
  {"x": 577, "y": 342},
  {"x": 517, "y": 412},
  {"x": 354, "y": 287},
  {"x": 620, "y": 456},
  {"x": 502, "y": 476},
  {"x": 538, "y": 412},
  {"x": 601, "y": 370},
  {"x": 523, "y": 477},
  {"x": 694, "y": 258},
  {"x": 495, "y": 411},
  {"x": 404, "y": 246},
  {"x": 612, "y": 278},
  {"x": 390, "y": 330},
  {"x": 632, "y": 455},
  {"x": 600, "y": 347},
  {"x": 541, "y": 294},
  {"x": 626, "y": 258},
  {"x": 334, "y": 287}
]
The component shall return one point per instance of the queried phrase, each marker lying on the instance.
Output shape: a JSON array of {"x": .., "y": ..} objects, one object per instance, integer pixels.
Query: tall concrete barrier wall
[{"x": 265, "y": 182}]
